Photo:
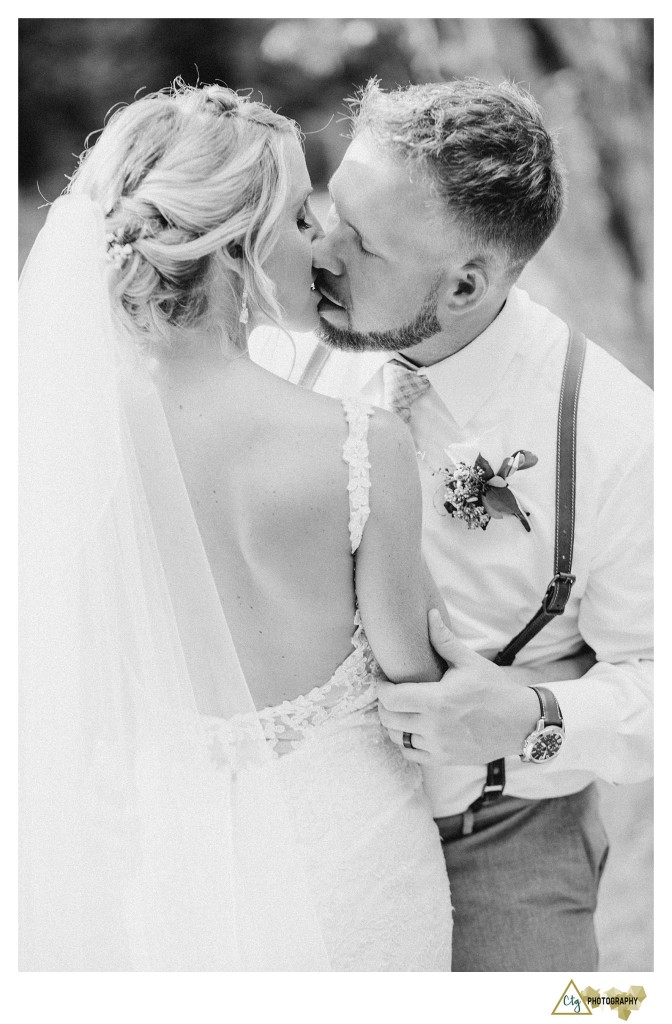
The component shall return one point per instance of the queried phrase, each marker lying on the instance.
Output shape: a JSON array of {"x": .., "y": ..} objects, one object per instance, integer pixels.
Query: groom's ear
[{"x": 467, "y": 287}]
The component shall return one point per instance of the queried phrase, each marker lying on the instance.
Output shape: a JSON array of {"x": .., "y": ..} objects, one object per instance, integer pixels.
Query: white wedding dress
[
  {"x": 371, "y": 851},
  {"x": 165, "y": 823}
]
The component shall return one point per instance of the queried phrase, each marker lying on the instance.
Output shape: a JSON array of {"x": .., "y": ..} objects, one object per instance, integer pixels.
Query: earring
[{"x": 244, "y": 311}]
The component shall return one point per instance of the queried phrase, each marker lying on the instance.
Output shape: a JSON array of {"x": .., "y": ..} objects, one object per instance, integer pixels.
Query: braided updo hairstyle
[{"x": 192, "y": 182}]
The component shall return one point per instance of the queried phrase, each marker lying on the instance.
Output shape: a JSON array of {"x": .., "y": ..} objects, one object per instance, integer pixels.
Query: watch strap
[{"x": 548, "y": 703}]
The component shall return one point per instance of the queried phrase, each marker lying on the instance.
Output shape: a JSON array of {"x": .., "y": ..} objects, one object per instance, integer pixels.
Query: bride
[{"x": 217, "y": 567}]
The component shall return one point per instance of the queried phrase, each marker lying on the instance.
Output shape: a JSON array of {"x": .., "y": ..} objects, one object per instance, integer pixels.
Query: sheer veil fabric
[{"x": 146, "y": 843}]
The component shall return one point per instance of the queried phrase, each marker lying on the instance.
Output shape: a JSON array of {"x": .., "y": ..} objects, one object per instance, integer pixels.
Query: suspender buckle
[
  {"x": 557, "y": 595},
  {"x": 494, "y": 785}
]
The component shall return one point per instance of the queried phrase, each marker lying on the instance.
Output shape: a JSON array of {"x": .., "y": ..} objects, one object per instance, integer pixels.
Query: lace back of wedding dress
[{"x": 356, "y": 454}]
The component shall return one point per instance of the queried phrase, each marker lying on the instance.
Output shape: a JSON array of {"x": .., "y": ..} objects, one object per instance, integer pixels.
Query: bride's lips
[{"x": 330, "y": 308}]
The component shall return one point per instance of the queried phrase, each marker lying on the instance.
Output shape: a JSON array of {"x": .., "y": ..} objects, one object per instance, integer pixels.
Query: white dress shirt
[{"x": 499, "y": 394}]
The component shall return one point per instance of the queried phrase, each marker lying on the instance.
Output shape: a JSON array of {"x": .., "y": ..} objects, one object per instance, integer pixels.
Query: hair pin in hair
[{"x": 117, "y": 252}]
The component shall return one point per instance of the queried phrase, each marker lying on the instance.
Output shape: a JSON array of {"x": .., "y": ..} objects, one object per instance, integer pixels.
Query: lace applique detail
[
  {"x": 356, "y": 454},
  {"x": 237, "y": 742},
  {"x": 234, "y": 742},
  {"x": 352, "y": 688}
]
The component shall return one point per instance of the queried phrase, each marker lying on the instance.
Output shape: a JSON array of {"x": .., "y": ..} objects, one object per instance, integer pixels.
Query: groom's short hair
[{"x": 485, "y": 152}]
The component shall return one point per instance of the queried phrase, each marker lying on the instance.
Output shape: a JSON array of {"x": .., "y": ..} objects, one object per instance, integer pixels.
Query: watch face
[{"x": 544, "y": 745}]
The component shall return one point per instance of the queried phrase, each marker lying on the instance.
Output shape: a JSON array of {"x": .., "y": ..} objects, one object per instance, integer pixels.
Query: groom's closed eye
[
  {"x": 362, "y": 247},
  {"x": 335, "y": 217}
]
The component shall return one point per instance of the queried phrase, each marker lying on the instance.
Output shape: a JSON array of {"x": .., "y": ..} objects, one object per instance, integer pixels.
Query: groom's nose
[
  {"x": 325, "y": 254},
  {"x": 325, "y": 248}
]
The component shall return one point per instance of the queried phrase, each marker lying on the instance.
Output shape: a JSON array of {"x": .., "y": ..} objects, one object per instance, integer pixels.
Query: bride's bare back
[{"x": 263, "y": 464}]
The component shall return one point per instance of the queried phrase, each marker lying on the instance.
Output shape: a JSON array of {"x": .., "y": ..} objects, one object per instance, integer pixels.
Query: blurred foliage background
[{"x": 594, "y": 80}]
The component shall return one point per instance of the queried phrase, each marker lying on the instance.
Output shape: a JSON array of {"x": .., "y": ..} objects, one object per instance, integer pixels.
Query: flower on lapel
[{"x": 476, "y": 494}]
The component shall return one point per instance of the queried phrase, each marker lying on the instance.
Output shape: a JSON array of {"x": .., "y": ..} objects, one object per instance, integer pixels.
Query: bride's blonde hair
[{"x": 192, "y": 181}]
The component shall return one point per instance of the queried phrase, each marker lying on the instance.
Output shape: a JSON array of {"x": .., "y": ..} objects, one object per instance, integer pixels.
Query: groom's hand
[{"x": 473, "y": 715}]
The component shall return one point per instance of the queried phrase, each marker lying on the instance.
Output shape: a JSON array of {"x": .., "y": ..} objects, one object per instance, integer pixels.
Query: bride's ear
[{"x": 234, "y": 251}]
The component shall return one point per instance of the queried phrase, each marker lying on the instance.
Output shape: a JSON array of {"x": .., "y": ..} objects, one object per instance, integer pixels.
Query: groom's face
[{"x": 387, "y": 252}]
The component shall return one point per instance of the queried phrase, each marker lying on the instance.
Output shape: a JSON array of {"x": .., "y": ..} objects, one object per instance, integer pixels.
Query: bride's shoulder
[
  {"x": 277, "y": 401},
  {"x": 314, "y": 427}
]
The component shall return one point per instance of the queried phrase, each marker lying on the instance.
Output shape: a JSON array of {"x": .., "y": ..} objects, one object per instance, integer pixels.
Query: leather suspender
[
  {"x": 311, "y": 372},
  {"x": 557, "y": 595}
]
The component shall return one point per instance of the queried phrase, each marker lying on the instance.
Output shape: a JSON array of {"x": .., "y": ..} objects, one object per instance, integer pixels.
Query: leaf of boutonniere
[
  {"x": 519, "y": 460},
  {"x": 483, "y": 464},
  {"x": 491, "y": 507},
  {"x": 501, "y": 501}
]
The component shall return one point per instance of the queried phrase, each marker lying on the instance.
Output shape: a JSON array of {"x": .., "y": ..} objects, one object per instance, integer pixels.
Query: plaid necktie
[{"x": 402, "y": 387}]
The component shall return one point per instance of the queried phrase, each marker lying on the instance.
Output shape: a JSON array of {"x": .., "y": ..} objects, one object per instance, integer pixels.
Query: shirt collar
[{"x": 466, "y": 379}]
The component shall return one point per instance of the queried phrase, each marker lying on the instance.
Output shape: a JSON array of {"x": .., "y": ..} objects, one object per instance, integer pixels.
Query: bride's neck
[{"x": 200, "y": 358}]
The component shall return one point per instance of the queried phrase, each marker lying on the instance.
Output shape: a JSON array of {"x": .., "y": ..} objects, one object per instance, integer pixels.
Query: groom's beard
[{"x": 424, "y": 325}]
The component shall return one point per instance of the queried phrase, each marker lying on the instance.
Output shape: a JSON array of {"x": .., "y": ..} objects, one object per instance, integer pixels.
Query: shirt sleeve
[{"x": 608, "y": 713}]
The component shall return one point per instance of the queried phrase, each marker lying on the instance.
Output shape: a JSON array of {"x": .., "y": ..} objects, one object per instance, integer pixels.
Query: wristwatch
[{"x": 545, "y": 742}]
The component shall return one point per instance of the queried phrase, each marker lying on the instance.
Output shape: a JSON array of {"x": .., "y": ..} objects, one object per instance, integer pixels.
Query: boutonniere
[{"x": 476, "y": 494}]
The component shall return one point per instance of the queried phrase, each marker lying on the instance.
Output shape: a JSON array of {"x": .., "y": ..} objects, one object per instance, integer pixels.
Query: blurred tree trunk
[{"x": 593, "y": 78}]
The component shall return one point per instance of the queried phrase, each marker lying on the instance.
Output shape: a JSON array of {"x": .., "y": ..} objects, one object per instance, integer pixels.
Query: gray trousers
[{"x": 524, "y": 884}]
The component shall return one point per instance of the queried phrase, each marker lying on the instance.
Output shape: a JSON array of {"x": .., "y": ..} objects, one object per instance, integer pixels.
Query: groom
[{"x": 443, "y": 196}]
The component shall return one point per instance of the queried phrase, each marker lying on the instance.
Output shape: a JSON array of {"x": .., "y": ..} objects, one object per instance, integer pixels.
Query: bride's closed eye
[{"x": 302, "y": 221}]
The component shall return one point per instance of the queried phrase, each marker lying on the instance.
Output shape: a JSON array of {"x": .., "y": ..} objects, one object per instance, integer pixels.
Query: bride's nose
[{"x": 317, "y": 232}]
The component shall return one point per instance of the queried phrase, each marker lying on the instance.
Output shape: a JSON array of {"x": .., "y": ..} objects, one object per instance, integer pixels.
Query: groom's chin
[
  {"x": 353, "y": 341},
  {"x": 339, "y": 337},
  {"x": 335, "y": 337}
]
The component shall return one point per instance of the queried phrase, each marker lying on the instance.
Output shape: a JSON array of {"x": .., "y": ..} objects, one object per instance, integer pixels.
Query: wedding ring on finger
[{"x": 407, "y": 740}]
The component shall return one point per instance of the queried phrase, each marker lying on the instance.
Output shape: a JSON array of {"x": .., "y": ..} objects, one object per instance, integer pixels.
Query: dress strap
[{"x": 356, "y": 454}]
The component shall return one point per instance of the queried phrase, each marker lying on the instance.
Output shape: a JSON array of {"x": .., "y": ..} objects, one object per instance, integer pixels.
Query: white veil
[{"x": 152, "y": 830}]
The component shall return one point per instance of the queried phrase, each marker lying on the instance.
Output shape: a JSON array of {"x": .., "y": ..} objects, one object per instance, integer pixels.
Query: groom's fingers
[
  {"x": 398, "y": 737},
  {"x": 446, "y": 644},
  {"x": 407, "y": 697},
  {"x": 417, "y": 753},
  {"x": 397, "y": 720},
  {"x": 417, "y": 756}
]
